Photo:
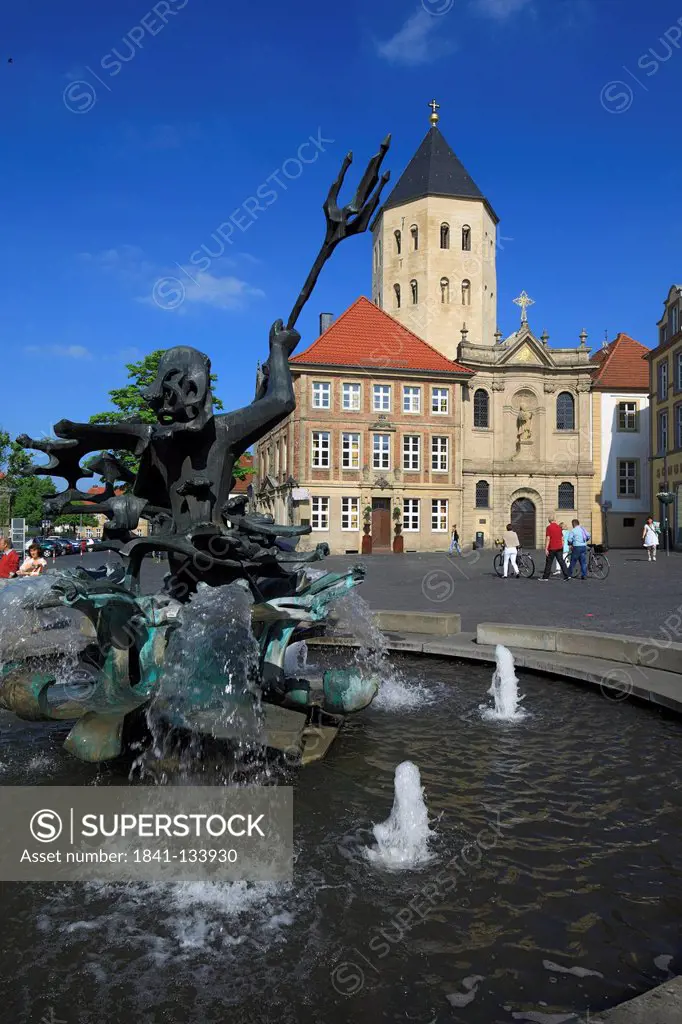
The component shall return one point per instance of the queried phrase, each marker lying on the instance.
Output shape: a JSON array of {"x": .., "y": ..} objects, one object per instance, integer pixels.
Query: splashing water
[
  {"x": 296, "y": 658},
  {"x": 504, "y": 689},
  {"x": 403, "y": 839},
  {"x": 354, "y": 616}
]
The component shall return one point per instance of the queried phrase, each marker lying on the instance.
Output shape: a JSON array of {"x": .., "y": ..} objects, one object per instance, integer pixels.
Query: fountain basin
[{"x": 555, "y": 885}]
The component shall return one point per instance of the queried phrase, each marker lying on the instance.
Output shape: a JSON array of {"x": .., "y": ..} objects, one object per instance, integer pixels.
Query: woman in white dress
[{"x": 650, "y": 538}]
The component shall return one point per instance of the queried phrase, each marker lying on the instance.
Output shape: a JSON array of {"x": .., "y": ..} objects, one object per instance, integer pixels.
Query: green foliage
[
  {"x": 20, "y": 496},
  {"x": 130, "y": 404},
  {"x": 27, "y": 502},
  {"x": 75, "y": 520}
]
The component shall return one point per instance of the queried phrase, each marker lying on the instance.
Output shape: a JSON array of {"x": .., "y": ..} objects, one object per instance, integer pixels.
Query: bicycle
[
  {"x": 598, "y": 564},
  {"x": 524, "y": 563}
]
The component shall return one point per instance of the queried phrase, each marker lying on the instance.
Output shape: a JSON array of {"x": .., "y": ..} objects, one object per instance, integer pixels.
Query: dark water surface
[{"x": 557, "y": 885}]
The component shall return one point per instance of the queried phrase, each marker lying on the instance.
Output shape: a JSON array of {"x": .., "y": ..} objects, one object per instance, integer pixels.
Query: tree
[
  {"x": 76, "y": 520},
  {"x": 21, "y": 497}
]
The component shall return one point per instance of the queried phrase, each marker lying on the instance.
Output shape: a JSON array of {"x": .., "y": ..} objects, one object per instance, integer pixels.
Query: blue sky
[{"x": 132, "y": 131}]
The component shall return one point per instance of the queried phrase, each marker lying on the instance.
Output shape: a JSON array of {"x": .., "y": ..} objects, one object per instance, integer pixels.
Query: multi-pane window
[
  {"x": 439, "y": 454},
  {"x": 350, "y": 513},
  {"x": 322, "y": 395},
  {"x": 319, "y": 517},
  {"x": 674, "y": 320},
  {"x": 411, "y": 448},
  {"x": 381, "y": 398},
  {"x": 565, "y": 411},
  {"x": 678, "y": 426},
  {"x": 412, "y": 399},
  {"x": 439, "y": 515},
  {"x": 482, "y": 494},
  {"x": 321, "y": 445},
  {"x": 663, "y": 379},
  {"x": 662, "y": 432},
  {"x": 678, "y": 371},
  {"x": 627, "y": 415},
  {"x": 481, "y": 408},
  {"x": 439, "y": 400},
  {"x": 351, "y": 397},
  {"x": 350, "y": 451},
  {"x": 627, "y": 478},
  {"x": 381, "y": 451},
  {"x": 566, "y": 496},
  {"x": 411, "y": 515}
]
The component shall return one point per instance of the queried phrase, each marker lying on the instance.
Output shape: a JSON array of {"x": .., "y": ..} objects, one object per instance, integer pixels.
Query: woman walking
[
  {"x": 650, "y": 538},
  {"x": 511, "y": 546}
]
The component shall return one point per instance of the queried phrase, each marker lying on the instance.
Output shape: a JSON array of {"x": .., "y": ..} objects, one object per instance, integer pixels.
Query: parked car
[{"x": 47, "y": 545}]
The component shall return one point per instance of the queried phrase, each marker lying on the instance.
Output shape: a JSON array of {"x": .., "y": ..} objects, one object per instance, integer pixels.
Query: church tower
[{"x": 434, "y": 250}]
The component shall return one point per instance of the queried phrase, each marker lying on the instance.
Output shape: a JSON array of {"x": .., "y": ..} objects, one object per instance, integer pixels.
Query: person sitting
[
  {"x": 35, "y": 564},
  {"x": 9, "y": 559}
]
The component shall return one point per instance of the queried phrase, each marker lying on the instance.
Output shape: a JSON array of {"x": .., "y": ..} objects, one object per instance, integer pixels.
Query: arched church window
[
  {"x": 396, "y": 289},
  {"x": 398, "y": 242},
  {"x": 415, "y": 292},
  {"x": 445, "y": 236},
  {"x": 444, "y": 290},
  {"x": 466, "y": 293},
  {"x": 466, "y": 238},
  {"x": 482, "y": 494},
  {"x": 481, "y": 408},
  {"x": 565, "y": 411},
  {"x": 566, "y": 497},
  {"x": 414, "y": 231}
]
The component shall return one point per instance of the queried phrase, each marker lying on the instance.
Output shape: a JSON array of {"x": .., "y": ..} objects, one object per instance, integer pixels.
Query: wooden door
[
  {"x": 523, "y": 522},
  {"x": 381, "y": 523}
]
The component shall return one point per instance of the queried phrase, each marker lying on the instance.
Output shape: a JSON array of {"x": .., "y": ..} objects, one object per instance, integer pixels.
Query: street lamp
[{"x": 606, "y": 508}]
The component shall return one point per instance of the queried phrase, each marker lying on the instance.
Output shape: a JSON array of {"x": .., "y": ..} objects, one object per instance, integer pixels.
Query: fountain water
[
  {"x": 504, "y": 689},
  {"x": 403, "y": 839}
]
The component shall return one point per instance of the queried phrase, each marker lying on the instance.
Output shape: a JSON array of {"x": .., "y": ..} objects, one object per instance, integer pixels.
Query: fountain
[
  {"x": 182, "y": 488},
  {"x": 403, "y": 839},
  {"x": 504, "y": 690}
]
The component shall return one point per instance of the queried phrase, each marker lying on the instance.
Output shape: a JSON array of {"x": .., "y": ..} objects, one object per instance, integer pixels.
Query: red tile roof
[
  {"x": 621, "y": 365},
  {"x": 366, "y": 336},
  {"x": 240, "y": 486}
]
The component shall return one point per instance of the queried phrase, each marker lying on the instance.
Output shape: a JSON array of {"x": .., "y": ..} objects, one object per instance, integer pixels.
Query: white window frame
[
  {"x": 322, "y": 389},
  {"x": 351, "y": 391},
  {"x": 350, "y": 446},
  {"x": 634, "y": 479},
  {"x": 320, "y": 447},
  {"x": 662, "y": 431},
  {"x": 412, "y": 448},
  {"x": 629, "y": 411},
  {"x": 319, "y": 511},
  {"x": 381, "y": 453},
  {"x": 411, "y": 515},
  {"x": 663, "y": 379},
  {"x": 437, "y": 396},
  {"x": 412, "y": 399},
  {"x": 440, "y": 453},
  {"x": 381, "y": 398},
  {"x": 439, "y": 515},
  {"x": 350, "y": 515}
]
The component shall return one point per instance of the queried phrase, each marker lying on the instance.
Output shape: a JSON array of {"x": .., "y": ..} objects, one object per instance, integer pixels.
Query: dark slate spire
[{"x": 434, "y": 170}]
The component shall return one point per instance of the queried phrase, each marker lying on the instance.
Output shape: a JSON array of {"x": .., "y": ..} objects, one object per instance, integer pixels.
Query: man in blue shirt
[{"x": 577, "y": 539}]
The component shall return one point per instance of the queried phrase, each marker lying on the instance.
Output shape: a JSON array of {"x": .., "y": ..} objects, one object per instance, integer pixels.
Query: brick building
[{"x": 376, "y": 436}]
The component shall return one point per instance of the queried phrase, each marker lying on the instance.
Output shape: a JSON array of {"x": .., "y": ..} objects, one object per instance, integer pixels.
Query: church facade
[{"x": 423, "y": 415}]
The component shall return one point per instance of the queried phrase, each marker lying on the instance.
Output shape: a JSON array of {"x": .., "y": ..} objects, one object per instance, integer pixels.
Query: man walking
[
  {"x": 554, "y": 549},
  {"x": 577, "y": 539},
  {"x": 454, "y": 543}
]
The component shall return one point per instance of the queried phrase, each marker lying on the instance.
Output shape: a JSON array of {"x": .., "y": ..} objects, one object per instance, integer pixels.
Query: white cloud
[
  {"x": 419, "y": 40},
  {"x": 221, "y": 292},
  {"x": 67, "y": 351},
  {"x": 500, "y": 9}
]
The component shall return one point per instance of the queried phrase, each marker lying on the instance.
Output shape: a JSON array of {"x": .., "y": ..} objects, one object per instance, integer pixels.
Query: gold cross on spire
[
  {"x": 433, "y": 117},
  {"x": 524, "y": 301}
]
